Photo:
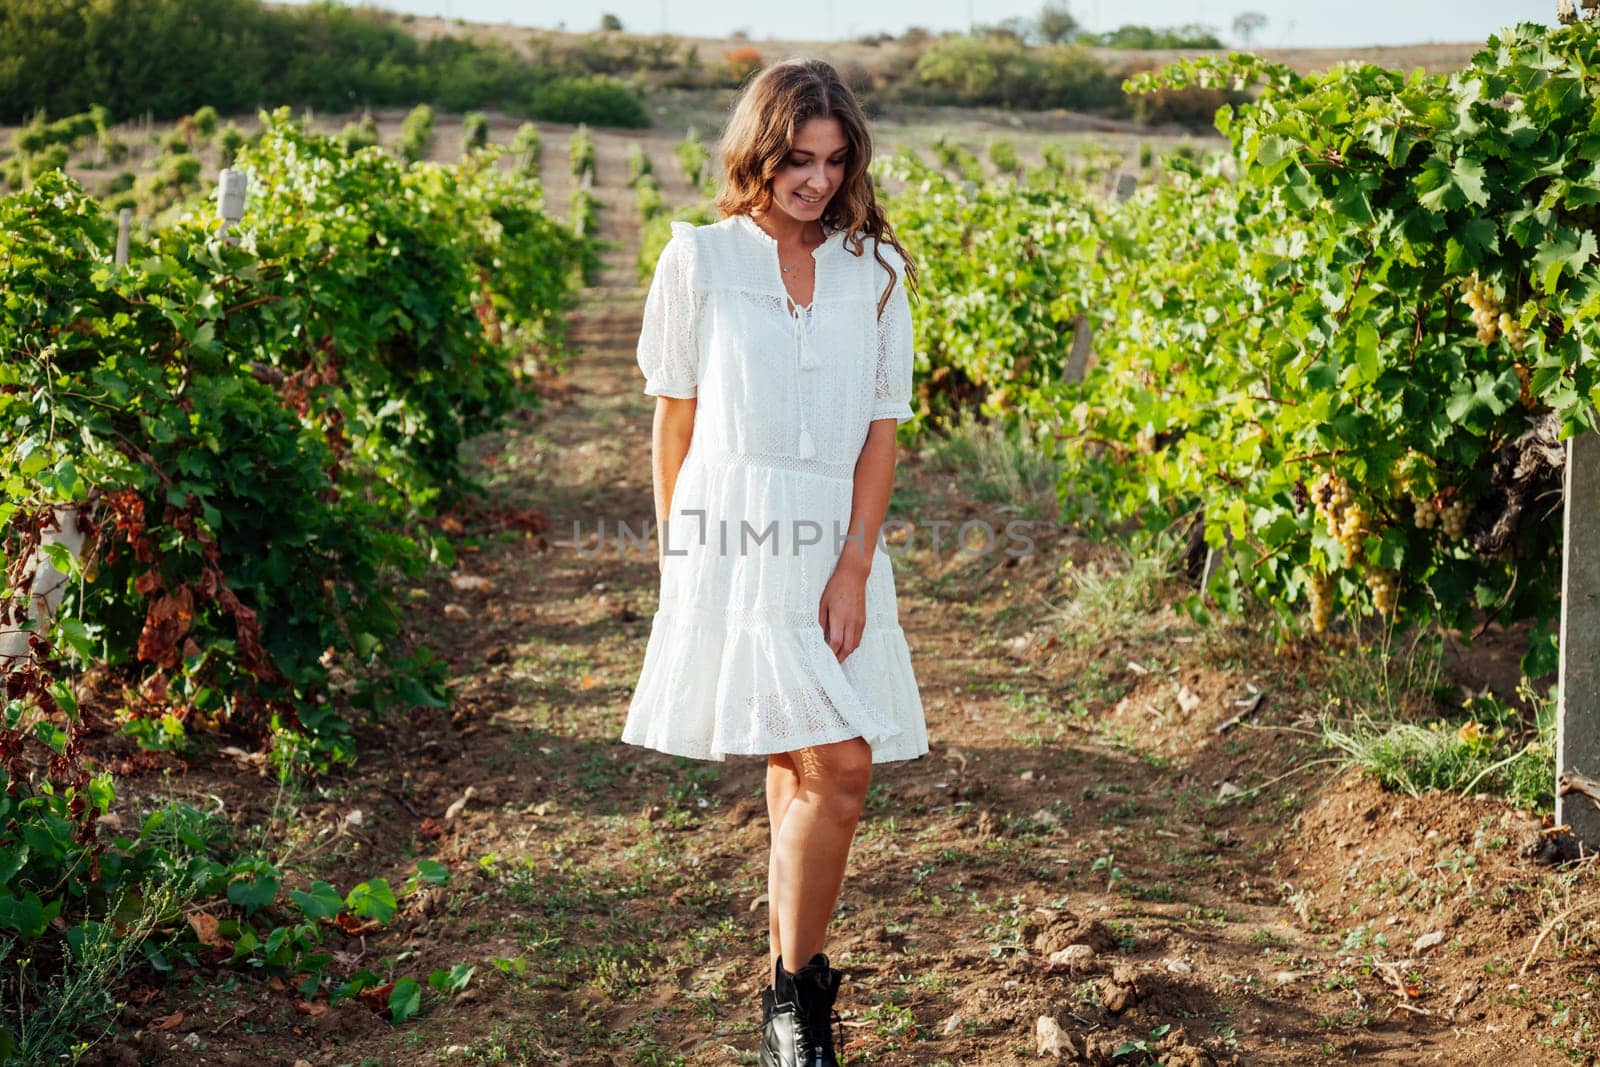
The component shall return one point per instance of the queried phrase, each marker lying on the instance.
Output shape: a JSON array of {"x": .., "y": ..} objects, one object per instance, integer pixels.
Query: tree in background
[
  {"x": 1055, "y": 23},
  {"x": 1150, "y": 38},
  {"x": 608, "y": 21},
  {"x": 1247, "y": 25}
]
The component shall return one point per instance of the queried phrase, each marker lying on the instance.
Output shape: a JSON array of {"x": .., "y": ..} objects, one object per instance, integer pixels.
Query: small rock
[
  {"x": 544, "y": 807},
  {"x": 456, "y": 807},
  {"x": 1177, "y": 966},
  {"x": 470, "y": 583},
  {"x": 1045, "y": 817},
  {"x": 355, "y": 817},
  {"x": 1227, "y": 790},
  {"x": 1427, "y": 941},
  {"x": 1188, "y": 699},
  {"x": 1051, "y": 1040},
  {"x": 192, "y": 1039},
  {"x": 1072, "y": 956},
  {"x": 456, "y": 611},
  {"x": 952, "y": 1025},
  {"x": 1027, "y": 776}
]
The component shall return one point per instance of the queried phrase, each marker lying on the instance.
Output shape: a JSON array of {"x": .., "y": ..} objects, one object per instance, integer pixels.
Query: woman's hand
[{"x": 843, "y": 611}]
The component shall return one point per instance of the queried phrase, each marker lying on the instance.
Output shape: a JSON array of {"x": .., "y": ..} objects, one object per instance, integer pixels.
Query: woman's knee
[{"x": 842, "y": 769}]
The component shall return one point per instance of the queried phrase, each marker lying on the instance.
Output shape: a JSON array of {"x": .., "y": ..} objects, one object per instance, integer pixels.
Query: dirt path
[{"x": 1063, "y": 851}]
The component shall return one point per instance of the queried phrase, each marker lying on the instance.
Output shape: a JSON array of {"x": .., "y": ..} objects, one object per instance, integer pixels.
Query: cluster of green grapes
[
  {"x": 1425, "y": 513},
  {"x": 1345, "y": 517},
  {"x": 1385, "y": 589},
  {"x": 1428, "y": 513},
  {"x": 1512, "y": 328},
  {"x": 1321, "y": 593},
  {"x": 1487, "y": 314},
  {"x": 1349, "y": 522}
]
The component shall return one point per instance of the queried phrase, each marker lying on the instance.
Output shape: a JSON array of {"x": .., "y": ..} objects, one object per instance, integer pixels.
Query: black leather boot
[{"x": 797, "y": 1016}]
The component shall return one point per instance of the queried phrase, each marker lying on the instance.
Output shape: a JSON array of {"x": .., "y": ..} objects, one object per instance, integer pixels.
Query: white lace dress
[{"x": 737, "y": 662}]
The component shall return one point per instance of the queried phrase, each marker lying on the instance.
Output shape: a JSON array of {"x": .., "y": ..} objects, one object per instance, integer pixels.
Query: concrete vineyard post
[
  {"x": 124, "y": 231},
  {"x": 232, "y": 186},
  {"x": 1578, "y": 724}
]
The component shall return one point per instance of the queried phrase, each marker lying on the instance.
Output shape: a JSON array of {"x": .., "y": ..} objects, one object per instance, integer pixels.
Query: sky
[{"x": 1289, "y": 22}]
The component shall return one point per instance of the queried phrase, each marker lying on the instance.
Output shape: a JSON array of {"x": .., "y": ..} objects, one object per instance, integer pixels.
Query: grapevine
[
  {"x": 1290, "y": 315},
  {"x": 1486, "y": 313}
]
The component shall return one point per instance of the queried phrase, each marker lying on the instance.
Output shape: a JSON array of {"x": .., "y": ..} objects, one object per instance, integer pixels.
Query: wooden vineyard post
[
  {"x": 1121, "y": 186},
  {"x": 1082, "y": 345},
  {"x": 1578, "y": 723}
]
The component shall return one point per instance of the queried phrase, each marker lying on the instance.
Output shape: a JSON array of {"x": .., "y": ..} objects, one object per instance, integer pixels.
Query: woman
[{"x": 778, "y": 342}]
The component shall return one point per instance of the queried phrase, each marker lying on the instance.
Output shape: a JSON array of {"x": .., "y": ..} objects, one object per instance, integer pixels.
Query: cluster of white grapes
[
  {"x": 1487, "y": 314},
  {"x": 1480, "y": 296},
  {"x": 1424, "y": 512},
  {"x": 1427, "y": 513},
  {"x": 1345, "y": 517},
  {"x": 1321, "y": 593},
  {"x": 1350, "y": 523},
  {"x": 1385, "y": 589}
]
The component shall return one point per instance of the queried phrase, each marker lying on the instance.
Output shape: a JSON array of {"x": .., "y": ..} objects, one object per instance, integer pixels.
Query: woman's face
[{"x": 811, "y": 173}]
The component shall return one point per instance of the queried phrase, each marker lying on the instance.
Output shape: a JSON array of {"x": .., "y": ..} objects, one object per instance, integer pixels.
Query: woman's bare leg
[
  {"x": 811, "y": 844},
  {"x": 783, "y": 782}
]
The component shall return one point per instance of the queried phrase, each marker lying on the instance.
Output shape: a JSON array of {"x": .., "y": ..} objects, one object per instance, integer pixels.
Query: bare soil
[{"x": 1110, "y": 831}]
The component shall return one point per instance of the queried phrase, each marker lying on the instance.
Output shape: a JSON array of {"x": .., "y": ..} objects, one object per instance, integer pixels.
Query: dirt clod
[{"x": 1119, "y": 990}]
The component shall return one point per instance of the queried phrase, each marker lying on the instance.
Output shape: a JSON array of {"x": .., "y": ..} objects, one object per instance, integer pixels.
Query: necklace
[{"x": 791, "y": 269}]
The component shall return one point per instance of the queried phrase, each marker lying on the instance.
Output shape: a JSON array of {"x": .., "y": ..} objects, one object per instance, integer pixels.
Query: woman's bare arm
[
  {"x": 669, "y": 444},
  {"x": 843, "y": 611}
]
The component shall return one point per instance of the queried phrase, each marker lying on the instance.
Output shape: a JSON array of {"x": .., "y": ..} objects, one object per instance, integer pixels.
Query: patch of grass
[
  {"x": 61, "y": 1008},
  {"x": 996, "y": 464},
  {"x": 1114, "y": 597},
  {"x": 1491, "y": 751},
  {"x": 1266, "y": 939}
]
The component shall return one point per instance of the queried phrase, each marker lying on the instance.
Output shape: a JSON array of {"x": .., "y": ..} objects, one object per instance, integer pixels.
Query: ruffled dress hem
[{"x": 718, "y": 690}]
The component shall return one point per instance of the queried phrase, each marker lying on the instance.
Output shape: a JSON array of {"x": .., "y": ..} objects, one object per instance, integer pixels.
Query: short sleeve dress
[{"x": 737, "y": 662}]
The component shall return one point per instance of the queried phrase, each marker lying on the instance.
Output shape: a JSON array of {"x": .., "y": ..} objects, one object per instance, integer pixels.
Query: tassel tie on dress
[{"x": 807, "y": 361}]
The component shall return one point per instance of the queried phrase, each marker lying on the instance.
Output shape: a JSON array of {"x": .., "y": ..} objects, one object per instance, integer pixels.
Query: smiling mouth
[{"x": 808, "y": 199}]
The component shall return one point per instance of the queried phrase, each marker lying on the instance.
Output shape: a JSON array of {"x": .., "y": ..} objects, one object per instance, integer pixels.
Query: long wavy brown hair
[{"x": 759, "y": 136}]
